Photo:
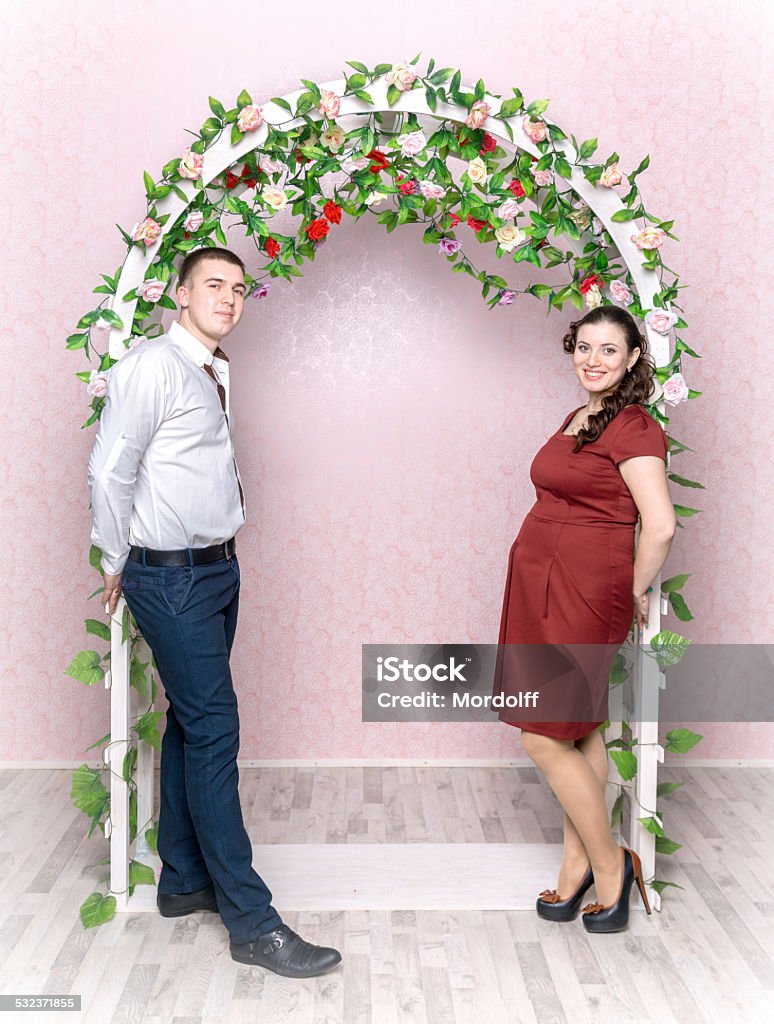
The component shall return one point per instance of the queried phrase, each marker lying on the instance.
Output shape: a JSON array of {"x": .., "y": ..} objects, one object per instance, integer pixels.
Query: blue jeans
[{"x": 188, "y": 617}]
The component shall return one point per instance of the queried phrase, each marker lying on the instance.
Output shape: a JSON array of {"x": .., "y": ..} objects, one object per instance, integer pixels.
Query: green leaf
[
  {"x": 680, "y": 608},
  {"x": 683, "y": 482},
  {"x": 138, "y": 677},
  {"x": 236, "y": 135},
  {"x": 76, "y": 341},
  {"x": 217, "y": 108},
  {"x": 685, "y": 512},
  {"x": 95, "y": 556},
  {"x": 141, "y": 874},
  {"x": 665, "y": 788},
  {"x": 149, "y": 183},
  {"x": 588, "y": 148},
  {"x": 97, "y": 909},
  {"x": 562, "y": 166},
  {"x": 152, "y": 837},
  {"x": 643, "y": 166},
  {"x": 509, "y": 108},
  {"x": 358, "y": 66},
  {"x": 616, "y": 814},
  {"x": 112, "y": 318},
  {"x": 664, "y": 845},
  {"x": 652, "y": 825},
  {"x": 536, "y": 109},
  {"x": 99, "y": 742},
  {"x": 659, "y": 885},
  {"x": 393, "y": 95},
  {"x": 167, "y": 302},
  {"x": 621, "y": 216},
  {"x": 282, "y": 102},
  {"x": 305, "y": 102},
  {"x": 681, "y": 740},
  {"x": 675, "y": 583},
  {"x": 669, "y": 648},
  {"x": 86, "y": 668},
  {"x": 243, "y": 99},
  {"x": 97, "y": 628},
  {"x": 147, "y": 728},
  {"x": 625, "y": 762},
  {"x": 88, "y": 792}
]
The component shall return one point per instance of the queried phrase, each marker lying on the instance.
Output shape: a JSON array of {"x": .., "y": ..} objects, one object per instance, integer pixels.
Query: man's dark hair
[{"x": 193, "y": 259}]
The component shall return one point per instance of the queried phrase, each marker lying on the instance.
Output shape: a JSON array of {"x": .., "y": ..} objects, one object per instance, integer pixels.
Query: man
[{"x": 167, "y": 502}]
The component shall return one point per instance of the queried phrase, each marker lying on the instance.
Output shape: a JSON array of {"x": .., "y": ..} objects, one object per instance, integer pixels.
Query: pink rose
[
  {"x": 329, "y": 104},
  {"x": 543, "y": 178},
  {"x": 147, "y": 231},
  {"x": 401, "y": 76},
  {"x": 191, "y": 165},
  {"x": 649, "y": 238},
  {"x": 193, "y": 221},
  {"x": 675, "y": 389},
  {"x": 97, "y": 386},
  {"x": 508, "y": 209},
  {"x": 534, "y": 130},
  {"x": 269, "y": 166},
  {"x": 431, "y": 190},
  {"x": 135, "y": 340},
  {"x": 412, "y": 143},
  {"x": 152, "y": 290},
  {"x": 620, "y": 292},
  {"x": 661, "y": 321},
  {"x": 250, "y": 118},
  {"x": 611, "y": 176},
  {"x": 478, "y": 113}
]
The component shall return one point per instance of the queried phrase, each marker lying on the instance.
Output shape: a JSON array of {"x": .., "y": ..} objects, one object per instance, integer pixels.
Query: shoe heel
[{"x": 637, "y": 866}]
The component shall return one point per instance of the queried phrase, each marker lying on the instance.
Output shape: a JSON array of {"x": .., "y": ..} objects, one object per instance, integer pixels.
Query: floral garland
[{"x": 520, "y": 202}]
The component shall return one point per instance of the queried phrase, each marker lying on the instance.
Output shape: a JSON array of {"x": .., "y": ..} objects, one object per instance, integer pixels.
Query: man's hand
[{"x": 111, "y": 593}]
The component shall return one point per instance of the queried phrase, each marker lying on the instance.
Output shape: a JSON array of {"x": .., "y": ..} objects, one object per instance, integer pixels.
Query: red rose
[
  {"x": 300, "y": 158},
  {"x": 318, "y": 229},
  {"x": 454, "y": 220},
  {"x": 247, "y": 177},
  {"x": 589, "y": 282},
  {"x": 488, "y": 144},
  {"x": 273, "y": 247},
  {"x": 231, "y": 180},
  {"x": 517, "y": 188},
  {"x": 407, "y": 188},
  {"x": 477, "y": 225},
  {"x": 332, "y": 212},
  {"x": 380, "y": 163}
]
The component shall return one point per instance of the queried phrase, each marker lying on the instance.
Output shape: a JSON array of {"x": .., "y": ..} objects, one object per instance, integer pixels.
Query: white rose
[
  {"x": 477, "y": 171},
  {"x": 509, "y": 237},
  {"x": 274, "y": 197},
  {"x": 593, "y": 297}
]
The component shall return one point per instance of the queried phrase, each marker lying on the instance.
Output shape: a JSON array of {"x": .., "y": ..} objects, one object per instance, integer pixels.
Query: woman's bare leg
[
  {"x": 574, "y": 779},
  {"x": 575, "y": 859}
]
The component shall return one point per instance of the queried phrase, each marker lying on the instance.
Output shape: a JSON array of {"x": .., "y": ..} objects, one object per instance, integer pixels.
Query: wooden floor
[{"x": 709, "y": 956}]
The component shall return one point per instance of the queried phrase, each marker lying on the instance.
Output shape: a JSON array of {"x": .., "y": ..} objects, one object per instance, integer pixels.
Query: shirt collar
[{"x": 199, "y": 352}]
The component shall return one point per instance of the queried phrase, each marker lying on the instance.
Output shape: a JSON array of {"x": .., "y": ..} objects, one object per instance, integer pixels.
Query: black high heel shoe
[
  {"x": 614, "y": 918},
  {"x": 550, "y": 907}
]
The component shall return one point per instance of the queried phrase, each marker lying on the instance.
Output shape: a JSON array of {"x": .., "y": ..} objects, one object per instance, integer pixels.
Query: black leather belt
[{"x": 188, "y": 556}]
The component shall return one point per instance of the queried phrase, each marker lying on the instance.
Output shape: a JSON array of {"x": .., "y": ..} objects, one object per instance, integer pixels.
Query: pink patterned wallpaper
[{"x": 385, "y": 419}]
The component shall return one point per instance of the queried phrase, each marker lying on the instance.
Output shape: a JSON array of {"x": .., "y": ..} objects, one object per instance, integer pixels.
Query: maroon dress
[{"x": 570, "y": 573}]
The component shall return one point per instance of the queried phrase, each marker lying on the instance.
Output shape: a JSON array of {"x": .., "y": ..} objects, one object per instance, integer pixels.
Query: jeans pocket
[{"x": 178, "y": 581}]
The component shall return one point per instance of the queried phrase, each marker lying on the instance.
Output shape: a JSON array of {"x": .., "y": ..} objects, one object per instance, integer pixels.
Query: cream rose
[
  {"x": 375, "y": 197},
  {"x": 191, "y": 165},
  {"x": 250, "y": 118},
  {"x": 534, "y": 130},
  {"x": 152, "y": 290},
  {"x": 543, "y": 178},
  {"x": 593, "y": 297},
  {"x": 478, "y": 113},
  {"x": 431, "y": 190},
  {"x": 147, "y": 231},
  {"x": 477, "y": 171},
  {"x": 675, "y": 389},
  {"x": 274, "y": 197},
  {"x": 611, "y": 176},
  {"x": 661, "y": 321},
  {"x": 509, "y": 237},
  {"x": 333, "y": 138},
  {"x": 620, "y": 292},
  {"x": 650, "y": 238},
  {"x": 329, "y": 104},
  {"x": 412, "y": 143},
  {"x": 401, "y": 76},
  {"x": 97, "y": 386}
]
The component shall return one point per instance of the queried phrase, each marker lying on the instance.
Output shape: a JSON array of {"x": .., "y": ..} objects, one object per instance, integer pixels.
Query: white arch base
[{"x": 648, "y": 680}]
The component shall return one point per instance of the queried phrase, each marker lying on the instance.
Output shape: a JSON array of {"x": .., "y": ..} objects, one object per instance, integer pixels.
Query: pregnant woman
[{"x": 573, "y": 580}]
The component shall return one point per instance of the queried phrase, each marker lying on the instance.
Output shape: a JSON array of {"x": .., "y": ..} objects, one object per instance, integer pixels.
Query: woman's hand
[{"x": 641, "y": 602}]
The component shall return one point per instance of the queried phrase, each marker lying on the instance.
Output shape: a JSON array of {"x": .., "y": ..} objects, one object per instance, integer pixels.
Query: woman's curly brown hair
[{"x": 636, "y": 387}]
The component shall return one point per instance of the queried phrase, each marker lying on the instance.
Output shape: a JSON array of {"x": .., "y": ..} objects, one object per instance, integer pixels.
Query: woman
[{"x": 573, "y": 580}]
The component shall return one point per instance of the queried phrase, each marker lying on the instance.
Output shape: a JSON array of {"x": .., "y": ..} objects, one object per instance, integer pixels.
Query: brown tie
[{"x": 210, "y": 371}]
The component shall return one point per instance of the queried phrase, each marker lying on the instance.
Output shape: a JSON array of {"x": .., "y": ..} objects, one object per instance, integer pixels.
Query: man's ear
[{"x": 182, "y": 296}]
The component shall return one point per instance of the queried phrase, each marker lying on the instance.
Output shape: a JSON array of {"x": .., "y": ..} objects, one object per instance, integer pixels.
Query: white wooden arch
[{"x": 647, "y": 677}]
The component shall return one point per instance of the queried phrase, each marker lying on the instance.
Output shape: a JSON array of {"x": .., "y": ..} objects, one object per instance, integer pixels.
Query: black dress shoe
[
  {"x": 550, "y": 907},
  {"x": 615, "y": 916},
  {"x": 180, "y": 904},
  {"x": 286, "y": 953}
]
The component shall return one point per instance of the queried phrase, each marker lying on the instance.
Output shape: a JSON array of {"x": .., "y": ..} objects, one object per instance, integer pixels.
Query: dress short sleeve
[{"x": 639, "y": 435}]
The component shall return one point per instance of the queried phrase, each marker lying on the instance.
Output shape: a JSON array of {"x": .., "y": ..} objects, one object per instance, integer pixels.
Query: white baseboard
[{"x": 388, "y": 762}]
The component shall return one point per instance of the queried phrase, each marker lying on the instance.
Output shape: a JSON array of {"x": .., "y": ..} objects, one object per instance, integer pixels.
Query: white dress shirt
[{"x": 162, "y": 473}]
